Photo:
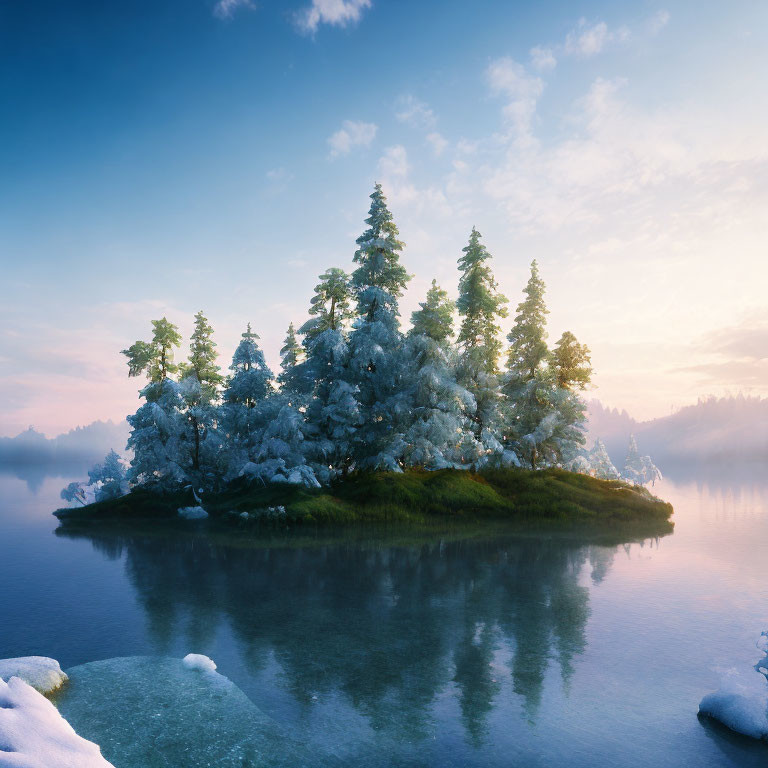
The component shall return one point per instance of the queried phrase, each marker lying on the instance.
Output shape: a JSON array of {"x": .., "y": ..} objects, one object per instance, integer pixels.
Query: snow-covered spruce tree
[
  {"x": 573, "y": 373},
  {"x": 244, "y": 413},
  {"x": 158, "y": 425},
  {"x": 481, "y": 306},
  {"x": 199, "y": 389},
  {"x": 435, "y": 437},
  {"x": 291, "y": 357},
  {"x": 600, "y": 462},
  {"x": 530, "y": 381},
  {"x": 332, "y": 414},
  {"x": 639, "y": 469},
  {"x": 376, "y": 366},
  {"x": 109, "y": 477}
]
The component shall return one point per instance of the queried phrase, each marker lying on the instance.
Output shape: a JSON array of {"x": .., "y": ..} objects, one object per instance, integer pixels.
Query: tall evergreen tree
[
  {"x": 155, "y": 358},
  {"x": 376, "y": 365},
  {"x": 434, "y": 437},
  {"x": 291, "y": 354},
  {"x": 202, "y": 358},
  {"x": 481, "y": 306},
  {"x": 244, "y": 412},
  {"x": 530, "y": 381},
  {"x": 157, "y": 427},
  {"x": 332, "y": 414}
]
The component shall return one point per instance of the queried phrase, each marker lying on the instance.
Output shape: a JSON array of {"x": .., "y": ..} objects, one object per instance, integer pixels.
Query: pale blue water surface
[{"x": 449, "y": 649}]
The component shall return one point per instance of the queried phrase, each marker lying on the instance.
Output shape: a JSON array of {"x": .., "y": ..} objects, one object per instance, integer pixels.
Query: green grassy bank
[{"x": 412, "y": 496}]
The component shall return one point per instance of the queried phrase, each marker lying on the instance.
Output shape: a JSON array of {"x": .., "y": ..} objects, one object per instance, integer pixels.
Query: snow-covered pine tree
[
  {"x": 573, "y": 373},
  {"x": 600, "y": 462},
  {"x": 109, "y": 478},
  {"x": 158, "y": 425},
  {"x": 332, "y": 415},
  {"x": 435, "y": 437},
  {"x": 376, "y": 365},
  {"x": 245, "y": 409},
  {"x": 530, "y": 381},
  {"x": 481, "y": 306},
  {"x": 291, "y": 357},
  {"x": 639, "y": 469}
]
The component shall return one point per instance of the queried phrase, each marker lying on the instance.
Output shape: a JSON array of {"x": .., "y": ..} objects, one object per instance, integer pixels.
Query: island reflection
[{"x": 392, "y": 624}]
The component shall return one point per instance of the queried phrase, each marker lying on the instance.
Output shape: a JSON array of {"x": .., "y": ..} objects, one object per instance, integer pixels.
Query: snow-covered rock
[
  {"x": 34, "y": 735},
  {"x": 153, "y": 711},
  {"x": 193, "y": 513},
  {"x": 42, "y": 673},
  {"x": 741, "y": 703},
  {"x": 200, "y": 662}
]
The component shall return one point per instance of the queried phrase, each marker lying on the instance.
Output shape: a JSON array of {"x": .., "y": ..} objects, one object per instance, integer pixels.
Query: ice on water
[
  {"x": 158, "y": 711},
  {"x": 741, "y": 703}
]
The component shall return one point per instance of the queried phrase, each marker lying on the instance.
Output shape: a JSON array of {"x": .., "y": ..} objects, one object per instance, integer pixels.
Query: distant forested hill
[
  {"x": 81, "y": 445},
  {"x": 727, "y": 428}
]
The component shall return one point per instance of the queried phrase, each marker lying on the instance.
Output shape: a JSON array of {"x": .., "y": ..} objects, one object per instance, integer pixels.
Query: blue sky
[{"x": 163, "y": 157}]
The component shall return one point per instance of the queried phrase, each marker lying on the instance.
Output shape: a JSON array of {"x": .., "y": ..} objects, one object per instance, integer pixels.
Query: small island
[
  {"x": 416, "y": 496},
  {"x": 366, "y": 422}
]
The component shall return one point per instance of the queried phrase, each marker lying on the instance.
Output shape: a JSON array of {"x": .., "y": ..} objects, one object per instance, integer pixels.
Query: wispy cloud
[
  {"x": 543, "y": 58},
  {"x": 394, "y": 161},
  {"x": 438, "y": 142},
  {"x": 353, "y": 133},
  {"x": 658, "y": 21},
  {"x": 522, "y": 90},
  {"x": 590, "y": 39},
  {"x": 225, "y": 9},
  {"x": 415, "y": 112},
  {"x": 336, "y": 13}
]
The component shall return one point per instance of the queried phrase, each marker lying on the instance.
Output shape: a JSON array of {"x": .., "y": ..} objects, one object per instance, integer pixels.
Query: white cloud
[
  {"x": 589, "y": 40},
  {"x": 337, "y": 13},
  {"x": 438, "y": 141},
  {"x": 394, "y": 162},
  {"x": 543, "y": 58},
  {"x": 224, "y": 9},
  {"x": 522, "y": 90},
  {"x": 658, "y": 21},
  {"x": 353, "y": 133},
  {"x": 415, "y": 113}
]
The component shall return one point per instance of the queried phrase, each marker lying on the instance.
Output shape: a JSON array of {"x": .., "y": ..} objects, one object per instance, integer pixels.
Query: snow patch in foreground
[
  {"x": 193, "y": 513},
  {"x": 34, "y": 735},
  {"x": 741, "y": 703},
  {"x": 199, "y": 661},
  {"x": 42, "y": 673}
]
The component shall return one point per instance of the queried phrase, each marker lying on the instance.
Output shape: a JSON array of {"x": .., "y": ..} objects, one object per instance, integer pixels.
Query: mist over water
[{"x": 470, "y": 647}]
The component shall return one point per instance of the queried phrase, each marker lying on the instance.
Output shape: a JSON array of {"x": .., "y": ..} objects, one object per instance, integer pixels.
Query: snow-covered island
[{"x": 367, "y": 421}]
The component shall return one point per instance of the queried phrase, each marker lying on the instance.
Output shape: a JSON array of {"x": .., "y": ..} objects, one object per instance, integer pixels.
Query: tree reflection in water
[{"x": 395, "y": 627}]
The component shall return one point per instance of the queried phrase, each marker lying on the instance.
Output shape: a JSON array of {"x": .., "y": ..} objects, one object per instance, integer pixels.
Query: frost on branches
[{"x": 355, "y": 392}]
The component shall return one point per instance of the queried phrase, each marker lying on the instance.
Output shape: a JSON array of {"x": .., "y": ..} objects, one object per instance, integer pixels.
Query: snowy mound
[
  {"x": 199, "y": 662},
  {"x": 42, "y": 673},
  {"x": 193, "y": 513},
  {"x": 34, "y": 735},
  {"x": 155, "y": 711},
  {"x": 742, "y": 701}
]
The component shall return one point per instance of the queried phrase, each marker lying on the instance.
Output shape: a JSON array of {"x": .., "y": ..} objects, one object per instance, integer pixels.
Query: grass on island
[{"x": 413, "y": 496}]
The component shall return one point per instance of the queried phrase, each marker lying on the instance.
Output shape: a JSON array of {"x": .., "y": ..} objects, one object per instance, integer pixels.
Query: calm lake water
[{"x": 494, "y": 649}]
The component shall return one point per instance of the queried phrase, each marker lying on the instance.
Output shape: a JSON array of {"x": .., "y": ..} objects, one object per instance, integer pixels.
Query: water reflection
[{"x": 390, "y": 627}]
